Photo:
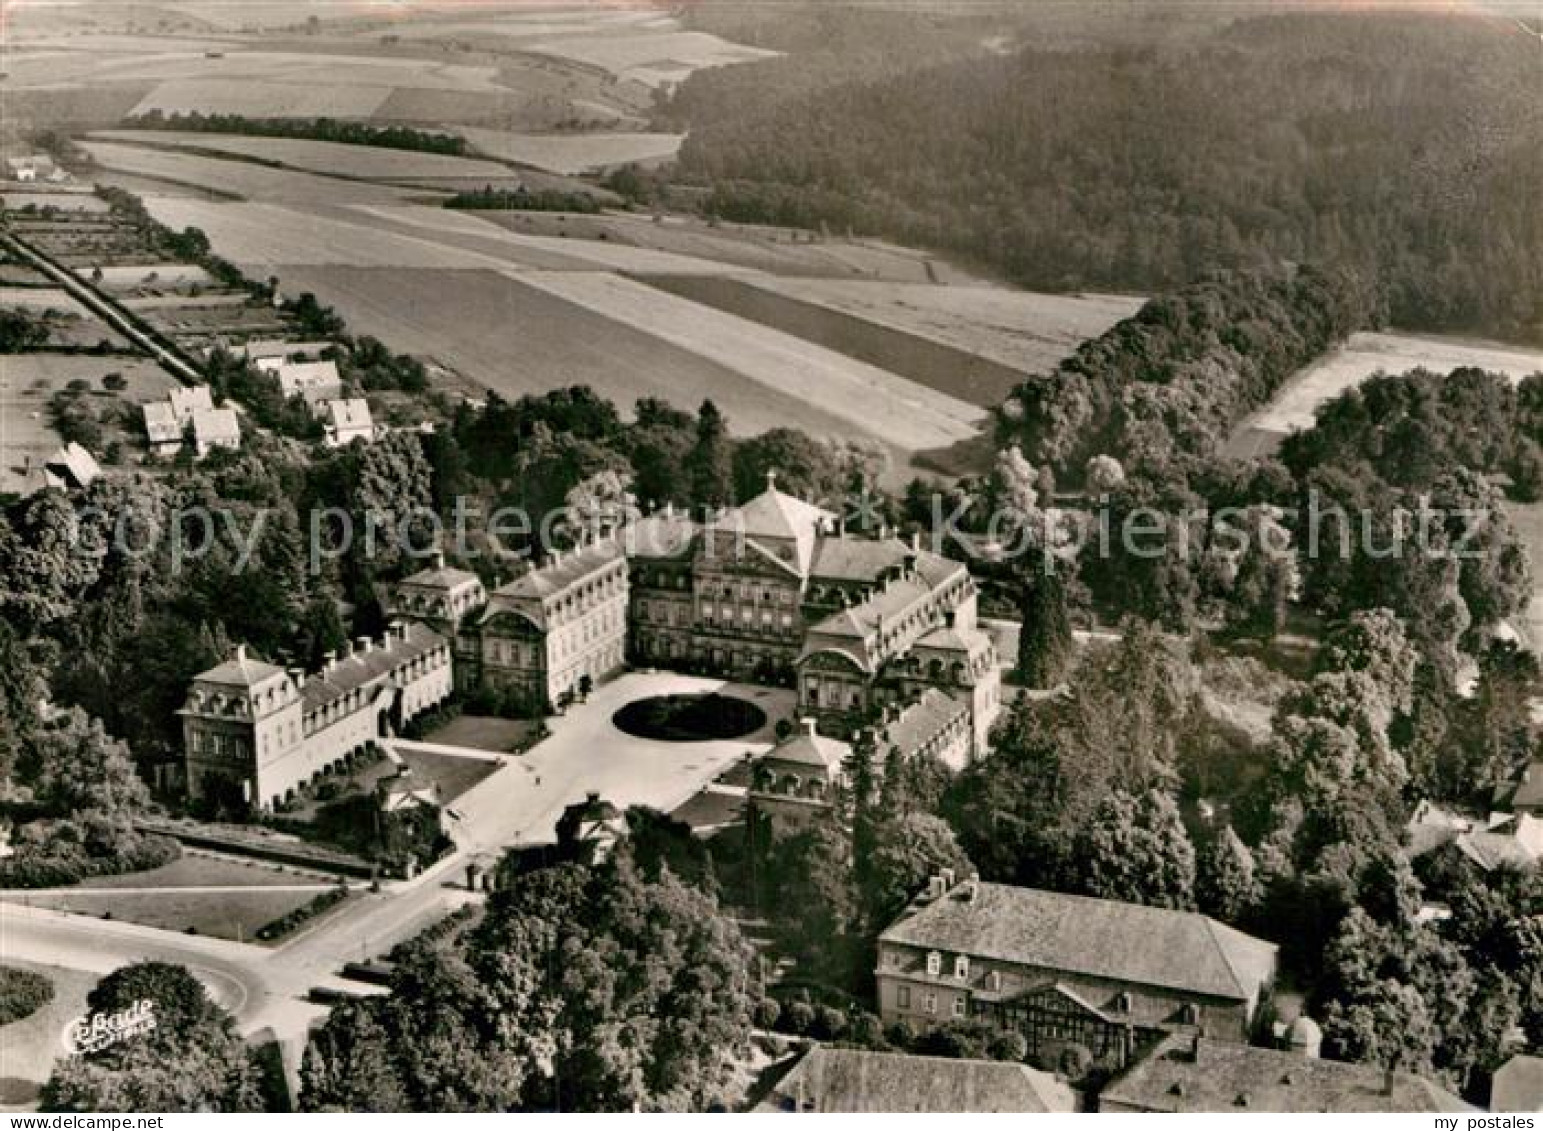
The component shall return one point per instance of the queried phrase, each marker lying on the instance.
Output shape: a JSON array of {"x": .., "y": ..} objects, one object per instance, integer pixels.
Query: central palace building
[{"x": 774, "y": 591}]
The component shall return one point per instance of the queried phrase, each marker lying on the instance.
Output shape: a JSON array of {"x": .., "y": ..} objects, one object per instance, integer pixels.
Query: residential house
[
  {"x": 216, "y": 428},
  {"x": 1092, "y": 978},
  {"x": 314, "y": 380},
  {"x": 852, "y": 1081},
  {"x": 162, "y": 428},
  {"x": 72, "y": 468},
  {"x": 348, "y": 420}
]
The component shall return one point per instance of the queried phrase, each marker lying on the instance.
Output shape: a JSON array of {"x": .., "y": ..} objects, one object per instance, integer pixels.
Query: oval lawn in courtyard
[{"x": 690, "y": 718}]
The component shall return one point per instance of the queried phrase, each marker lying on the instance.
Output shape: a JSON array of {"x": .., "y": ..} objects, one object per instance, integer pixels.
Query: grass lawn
[
  {"x": 32, "y": 1044},
  {"x": 197, "y": 869},
  {"x": 174, "y": 897},
  {"x": 483, "y": 732}
]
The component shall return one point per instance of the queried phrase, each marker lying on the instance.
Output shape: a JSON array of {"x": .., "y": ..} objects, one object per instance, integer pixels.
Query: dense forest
[{"x": 1407, "y": 145}]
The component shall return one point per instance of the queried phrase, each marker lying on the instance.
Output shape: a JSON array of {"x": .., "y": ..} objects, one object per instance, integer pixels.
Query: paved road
[{"x": 518, "y": 804}]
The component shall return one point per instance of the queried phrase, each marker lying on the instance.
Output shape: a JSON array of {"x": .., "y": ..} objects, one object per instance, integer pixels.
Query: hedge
[
  {"x": 290, "y": 920},
  {"x": 25, "y": 870}
]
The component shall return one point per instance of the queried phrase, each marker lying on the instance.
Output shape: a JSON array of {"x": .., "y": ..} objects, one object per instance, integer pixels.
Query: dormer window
[
  {"x": 934, "y": 964},
  {"x": 961, "y": 967}
]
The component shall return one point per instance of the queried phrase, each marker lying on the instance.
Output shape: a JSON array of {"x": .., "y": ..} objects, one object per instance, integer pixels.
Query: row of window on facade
[
  {"x": 723, "y": 616},
  {"x": 595, "y": 589},
  {"x": 929, "y": 1001}
]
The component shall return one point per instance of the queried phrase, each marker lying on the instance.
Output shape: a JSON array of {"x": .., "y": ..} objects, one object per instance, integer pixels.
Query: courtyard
[{"x": 586, "y": 752}]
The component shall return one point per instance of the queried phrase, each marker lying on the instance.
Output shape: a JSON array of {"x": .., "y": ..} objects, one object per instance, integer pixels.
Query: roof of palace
[
  {"x": 362, "y": 668},
  {"x": 781, "y": 517},
  {"x": 810, "y": 748},
  {"x": 919, "y": 722},
  {"x": 566, "y": 569},
  {"x": 241, "y": 670},
  {"x": 1077, "y": 934}
]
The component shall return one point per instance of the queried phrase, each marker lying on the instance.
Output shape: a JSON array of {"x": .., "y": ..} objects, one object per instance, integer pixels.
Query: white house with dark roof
[
  {"x": 254, "y": 732},
  {"x": 1069, "y": 971}
]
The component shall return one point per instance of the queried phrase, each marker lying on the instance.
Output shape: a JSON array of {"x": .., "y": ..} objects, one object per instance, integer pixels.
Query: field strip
[
  {"x": 329, "y": 158},
  {"x": 572, "y": 153},
  {"x": 270, "y": 235},
  {"x": 1364, "y": 354},
  {"x": 899, "y": 411},
  {"x": 612, "y": 257}
]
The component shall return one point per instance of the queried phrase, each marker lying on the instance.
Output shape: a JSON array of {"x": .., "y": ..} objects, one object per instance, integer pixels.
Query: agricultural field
[
  {"x": 70, "y": 325},
  {"x": 574, "y": 152},
  {"x": 27, "y": 381},
  {"x": 651, "y": 55},
  {"x": 777, "y": 251},
  {"x": 234, "y": 180},
  {"x": 1356, "y": 360},
  {"x": 358, "y": 162},
  {"x": 902, "y": 413},
  {"x": 1020, "y": 329},
  {"x": 491, "y": 327}
]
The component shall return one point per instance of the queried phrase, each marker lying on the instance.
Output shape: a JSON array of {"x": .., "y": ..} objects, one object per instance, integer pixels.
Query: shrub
[
  {"x": 829, "y": 1023},
  {"x": 798, "y": 1018},
  {"x": 867, "y": 1031},
  {"x": 22, "y": 993},
  {"x": 1007, "y": 1045},
  {"x": 767, "y": 1013}
]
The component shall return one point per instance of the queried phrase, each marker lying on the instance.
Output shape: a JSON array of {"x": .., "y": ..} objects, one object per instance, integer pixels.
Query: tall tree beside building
[
  {"x": 1225, "y": 882},
  {"x": 711, "y": 463},
  {"x": 1045, "y": 645}
]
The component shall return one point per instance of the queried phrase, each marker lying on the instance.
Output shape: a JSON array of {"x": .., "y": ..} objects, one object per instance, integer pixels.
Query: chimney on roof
[
  {"x": 363, "y": 645},
  {"x": 947, "y": 876},
  {"x": 916, "y": 541},
  {"x": 298, "y": 675},
  {"x": 771, "y": 478},
  {"x": 439, "y": 559},
  {"x": 811, "y": 725},
  {"x": 330, "y": 661},
  {"x": 1389, "y": 1079},
  {"x": 1194, "y": 1046},
  {"x": 592, "y": 796}
]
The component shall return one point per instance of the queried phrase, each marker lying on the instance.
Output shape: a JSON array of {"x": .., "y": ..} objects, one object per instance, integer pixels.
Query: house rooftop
[
  {"x": 161, "y": 423},
  {"x": 1125, "y": 942},
  {"x": 918, "y": 722},
  {"x": 216, "y": 425},
  {"x": 1185, "y": 1073},
  {"x": 810, "y": 748},
  {"x": 828, "y": 1079}
]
